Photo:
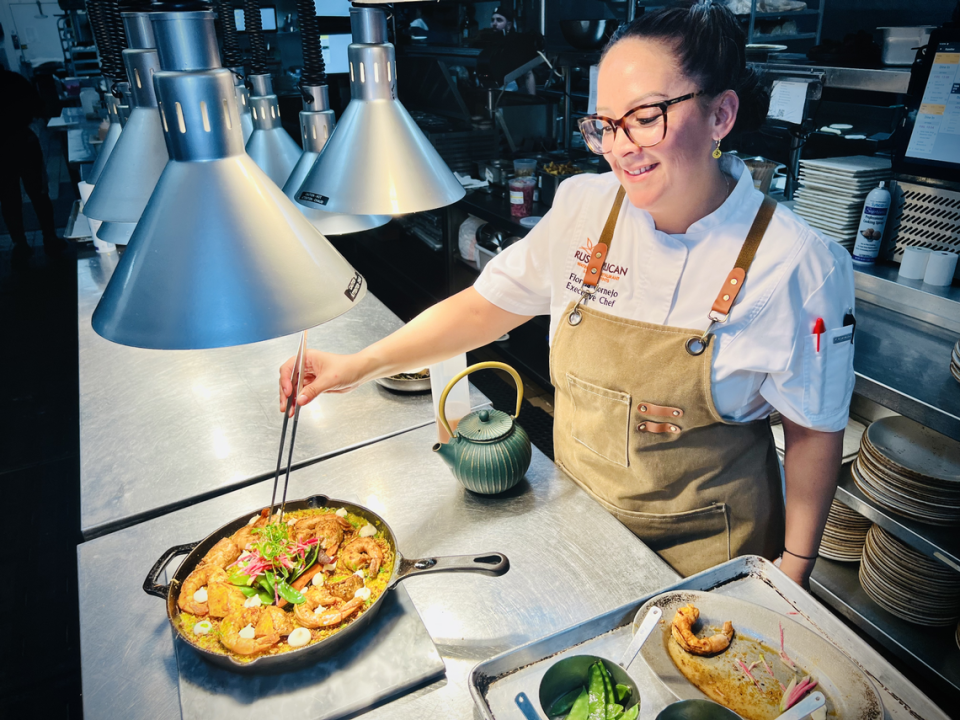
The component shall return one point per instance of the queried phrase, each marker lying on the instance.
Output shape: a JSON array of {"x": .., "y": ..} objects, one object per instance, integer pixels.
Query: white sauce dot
[
  {"x": 342, "y": 512},
  {"x": 318, "y": 579},
  {"x": 363, "y": 593},
  {"x": 299, "y": 637},
  {"x": 368, "y": 530},
  {"x": 330, "y": 568},
  {"x": 200, "y": 595},
  {"x": 202, "y": 627},
  {"x": 292, "y": 521},
  {"x": 252, "y": 520},
  {"x": 252, "y": 602},
  {"x": 360, "y": 574},
  {"x": 248, "y": 633}
]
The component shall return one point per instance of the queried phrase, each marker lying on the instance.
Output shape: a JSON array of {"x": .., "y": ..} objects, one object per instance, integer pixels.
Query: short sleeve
[
  {"x": 814, "y": 386},
  {"x": 518, "y": 280}
]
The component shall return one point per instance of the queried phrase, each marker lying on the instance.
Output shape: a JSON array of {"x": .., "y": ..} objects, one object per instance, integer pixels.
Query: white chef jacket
[{"x": 765, "y": 355}]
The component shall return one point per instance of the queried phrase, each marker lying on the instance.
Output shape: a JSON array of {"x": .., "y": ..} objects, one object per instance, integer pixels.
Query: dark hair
[{"x": 710, "y": 47}]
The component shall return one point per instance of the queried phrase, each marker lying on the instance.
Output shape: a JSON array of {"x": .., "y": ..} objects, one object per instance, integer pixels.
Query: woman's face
[{"x": 661, "y": 178}]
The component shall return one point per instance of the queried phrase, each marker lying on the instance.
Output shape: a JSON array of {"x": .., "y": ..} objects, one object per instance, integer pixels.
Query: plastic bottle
[{"x": 870, "y": 233}]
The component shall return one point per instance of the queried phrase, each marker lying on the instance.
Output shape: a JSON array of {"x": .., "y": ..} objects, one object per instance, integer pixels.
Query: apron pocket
[
  {"x": 601, "y": 420},
  {"x": 688, "y": 541}
]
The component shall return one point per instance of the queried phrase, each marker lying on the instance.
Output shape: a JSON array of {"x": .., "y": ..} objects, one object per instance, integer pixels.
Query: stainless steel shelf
[
  {"x": 933, "y": 651},
  {"x": 881, "y": 80},
  {"x": 881, "y": 285},
  {"x": 903, "y": 364},
  {"x": 942, "y": 543}
]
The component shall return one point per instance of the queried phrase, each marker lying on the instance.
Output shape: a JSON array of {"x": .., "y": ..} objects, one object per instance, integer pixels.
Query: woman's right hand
[{"x": 322, "y": 373}]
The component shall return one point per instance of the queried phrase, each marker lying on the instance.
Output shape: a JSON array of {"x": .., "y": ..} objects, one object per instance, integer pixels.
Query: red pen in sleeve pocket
[{"x": 819, "y": 329}]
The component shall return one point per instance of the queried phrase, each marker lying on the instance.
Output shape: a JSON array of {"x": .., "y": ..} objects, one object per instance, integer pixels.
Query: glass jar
[{"x": 521, "y": 196}]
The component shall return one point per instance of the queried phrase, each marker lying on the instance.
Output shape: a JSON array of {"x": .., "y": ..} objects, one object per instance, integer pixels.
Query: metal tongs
[{"x": 296, "y": 379}]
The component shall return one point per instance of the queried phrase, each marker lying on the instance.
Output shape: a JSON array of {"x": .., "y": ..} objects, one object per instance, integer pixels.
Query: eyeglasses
[{"x": 645, "y": 126}]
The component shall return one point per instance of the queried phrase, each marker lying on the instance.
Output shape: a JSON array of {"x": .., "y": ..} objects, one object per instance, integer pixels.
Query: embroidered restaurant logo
[{"x": 609, "y": 274}]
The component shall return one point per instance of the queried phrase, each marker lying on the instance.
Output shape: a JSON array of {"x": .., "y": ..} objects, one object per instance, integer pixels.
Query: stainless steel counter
[
  {"x": 570, "y": 561},
  {"x": 163, "y": 429}
]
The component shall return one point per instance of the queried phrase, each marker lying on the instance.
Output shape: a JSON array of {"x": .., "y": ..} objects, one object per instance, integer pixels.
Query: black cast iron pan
[{"x": 403, "y": 568}]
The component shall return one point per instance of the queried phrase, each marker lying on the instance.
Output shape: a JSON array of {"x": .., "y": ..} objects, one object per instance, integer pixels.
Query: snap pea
[
  {"x": 607, "y": 692},
  {"x": 288, "y": 593},
  {"x": 248, "y": 591},
  {"x": 632, "y": 713},
  {"x": 237, "y": 577},
  {"x": 615, "y": 712},
  {"x": 597, "y": 693},
  {"x": 581, "y": 706},
  {"x": 563, "y": 703},
  {"x": 623, "y": 693}
]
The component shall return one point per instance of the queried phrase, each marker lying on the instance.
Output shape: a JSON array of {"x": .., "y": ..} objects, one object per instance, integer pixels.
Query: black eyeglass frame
[{"x": 621, "y": 123}]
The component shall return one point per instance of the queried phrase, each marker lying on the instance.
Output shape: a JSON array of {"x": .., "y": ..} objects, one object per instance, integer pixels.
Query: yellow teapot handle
[{"x": 473, "y": 368}]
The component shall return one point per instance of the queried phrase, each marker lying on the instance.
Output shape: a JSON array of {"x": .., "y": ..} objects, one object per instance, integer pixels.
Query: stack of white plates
[
  {"x": 844, "y": 534},
  {"x": 908, "y": 584},
  {"x": 955, "y": 361},
  {"x": 832, "y": 192},
  {"x": 910, "y": 470}
]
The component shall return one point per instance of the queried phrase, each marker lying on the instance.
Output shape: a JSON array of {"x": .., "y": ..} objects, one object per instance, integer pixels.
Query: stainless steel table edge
[{"x": 829, "y": 627}]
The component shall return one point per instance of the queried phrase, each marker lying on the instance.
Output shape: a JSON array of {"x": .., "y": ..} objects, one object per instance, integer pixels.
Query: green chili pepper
[
  {"x": 288, "y": 593},
  {"x": 580, "y": 707},
  {"x": 564, "y": 702},
  {"x": 623, "y": 693},
  {"x": 632, "y": 713},
  {"x": 597, "y": 693}
]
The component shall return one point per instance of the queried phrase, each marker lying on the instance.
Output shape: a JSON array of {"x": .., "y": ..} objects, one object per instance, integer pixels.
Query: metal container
[
  {"x": 494, "y": 171},
  {"x": 487, "y": 564},
  {"x": 900, "y": 43}
]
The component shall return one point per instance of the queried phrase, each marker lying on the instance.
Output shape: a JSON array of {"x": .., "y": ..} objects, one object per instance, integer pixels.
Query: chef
[{"x": 685, "y": 307}]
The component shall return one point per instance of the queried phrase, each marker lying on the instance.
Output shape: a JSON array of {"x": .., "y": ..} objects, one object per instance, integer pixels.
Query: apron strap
[
  {"x": 734, "y": 282},
  {"x": 591, "y": 276}
]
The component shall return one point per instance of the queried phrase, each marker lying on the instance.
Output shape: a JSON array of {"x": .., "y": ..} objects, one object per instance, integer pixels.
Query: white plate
[{"x": 848, "y": 691}]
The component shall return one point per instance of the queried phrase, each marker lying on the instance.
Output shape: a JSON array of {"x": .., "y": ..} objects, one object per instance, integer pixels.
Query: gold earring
[{"x": 716, "y": 151}]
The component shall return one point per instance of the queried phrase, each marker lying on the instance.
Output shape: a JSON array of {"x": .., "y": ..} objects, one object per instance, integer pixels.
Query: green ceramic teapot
[{"x": 489, "y": 452}]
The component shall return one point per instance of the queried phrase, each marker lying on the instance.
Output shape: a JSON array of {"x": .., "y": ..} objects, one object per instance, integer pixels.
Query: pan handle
[
  {"x": 150, "y": 585},
  {"x": 486, "y": 564}
]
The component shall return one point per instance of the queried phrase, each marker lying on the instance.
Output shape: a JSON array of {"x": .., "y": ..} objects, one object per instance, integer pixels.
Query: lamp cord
[{"x": 258, "y": 46}]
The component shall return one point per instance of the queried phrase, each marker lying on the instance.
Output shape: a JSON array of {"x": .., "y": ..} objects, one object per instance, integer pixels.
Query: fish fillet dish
[{"x": 274, "y": 586}]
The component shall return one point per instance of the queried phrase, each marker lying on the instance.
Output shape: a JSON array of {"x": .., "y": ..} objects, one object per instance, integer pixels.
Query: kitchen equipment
[
  {"x": 496, "y": 682},
  {"x": 848, "y": 692},
  {"x": 524, "y": 167},
  {"x": 490, "y": 452},
  {"x": 588, "y": 34},
  {"x": 759, "y": 52},
  {"x": 709, "y": 710},
  {"x": 900, "y": 44},
  {"x": 399, "y": 383},
  {"x": 296, "y": 381},
  {"x": 487, "y": 564},
  {"x": 573, "y": 672},
  {"x": 762, "y": 171},
  {"x": 493, "y": 171}
]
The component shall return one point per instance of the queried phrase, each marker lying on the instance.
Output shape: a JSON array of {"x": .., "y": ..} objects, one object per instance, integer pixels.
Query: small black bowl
[{"x": 588, "y": 34}]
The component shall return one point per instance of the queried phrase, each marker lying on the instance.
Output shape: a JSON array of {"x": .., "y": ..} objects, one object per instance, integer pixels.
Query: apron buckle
[
  {"x": 575, "y": 317},
  {"x": 696, "y": 345}
]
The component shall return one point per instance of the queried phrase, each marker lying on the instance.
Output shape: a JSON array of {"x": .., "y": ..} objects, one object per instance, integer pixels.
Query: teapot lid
[{"x": 485, "y": 425}]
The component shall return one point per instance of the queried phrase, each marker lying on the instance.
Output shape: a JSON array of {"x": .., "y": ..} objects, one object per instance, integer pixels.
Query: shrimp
[
  {"x": 273, "y": 620},
  {"x": 328, "y": 528},
  {"x": 232, "y": 625},
  {"x": 345, "y": 589},
  {"x": 682, "y": 630},
  {"x": 306, "y": 612},
  {"x": 362, "y": 552},
  {"x": 200, "y": 577},
  {"x": 338, "y": 615},
  {"x": 221, "y": 554}
]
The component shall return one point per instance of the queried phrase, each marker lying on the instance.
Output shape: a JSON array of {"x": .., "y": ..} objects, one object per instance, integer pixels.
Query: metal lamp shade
[
  {"x": 220, "y": 256},
  {"x": 116, "y": 233},
  {"x": 270, "y": 146},
  {"x": 124, "y": 187},
  {"x": 316, "y": 125},
  {"x": 109, "y": 142},
  {"x": 377, "y": 161},
  {"x": 246, "y": 117}
]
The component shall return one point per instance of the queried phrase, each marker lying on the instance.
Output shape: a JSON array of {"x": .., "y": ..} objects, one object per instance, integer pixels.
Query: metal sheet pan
[{"x": 496, "y": 683}]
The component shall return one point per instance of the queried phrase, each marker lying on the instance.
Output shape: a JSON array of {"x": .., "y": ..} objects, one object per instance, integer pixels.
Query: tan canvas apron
[{"x": 637, "y": 429}]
